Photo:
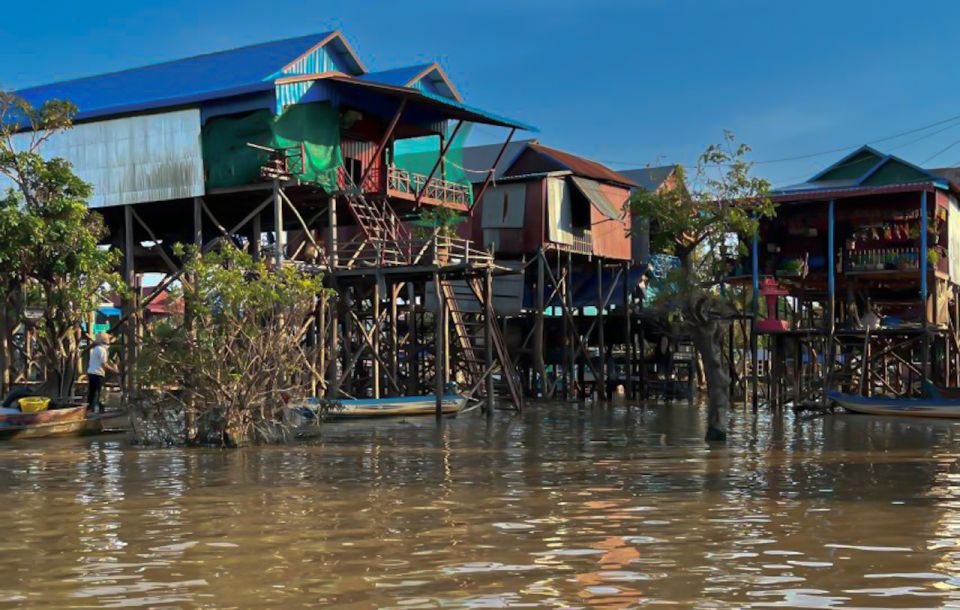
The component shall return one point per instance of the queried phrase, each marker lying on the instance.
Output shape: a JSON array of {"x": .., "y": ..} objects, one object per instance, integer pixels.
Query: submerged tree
[
  {"x": 227, "y": 368},
  {"x": 707, "y": 218},
  {"x": 50, "y": 258}
]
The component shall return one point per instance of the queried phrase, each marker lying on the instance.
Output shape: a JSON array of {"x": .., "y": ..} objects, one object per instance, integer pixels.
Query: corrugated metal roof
[
  {"x": 451, "y": 109},
  {"x": 581, "y": 166},
  {"x": 865, "y": 168},
  {"x": 823, "y": 194},
  {"x": 400, "y": 77},
  {"x": 593, "y": 191},
  {"x": 477, "y": 160},
  {"x": 181, "y": 81},
  {"x": 649, "y": 178}
]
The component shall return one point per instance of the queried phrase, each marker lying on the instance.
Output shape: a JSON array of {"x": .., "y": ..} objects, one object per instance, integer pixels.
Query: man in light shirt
[{"x": 97, "y": 370}]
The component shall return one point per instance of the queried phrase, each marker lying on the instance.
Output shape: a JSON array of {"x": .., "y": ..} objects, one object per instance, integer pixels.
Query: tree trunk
[{"x": 706, "y": 338}]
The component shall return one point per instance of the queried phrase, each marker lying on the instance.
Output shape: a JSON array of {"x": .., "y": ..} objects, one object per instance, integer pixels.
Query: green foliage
[
  {"x": 707, "y": 220},
  {"x": 238, "y": 354},
  {"x": 438, "y": 219},
  {"x": 50, "y": 256}
]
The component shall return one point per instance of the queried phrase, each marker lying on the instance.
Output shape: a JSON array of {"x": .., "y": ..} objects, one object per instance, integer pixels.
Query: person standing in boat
[{"x": 97, "y": 370}]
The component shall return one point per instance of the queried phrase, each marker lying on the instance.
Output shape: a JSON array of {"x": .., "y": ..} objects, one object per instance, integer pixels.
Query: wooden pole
[
  {"x": 566, "y": 327},
  {"x": 755, "y": 308},
  {"x": 347, "y": 305},
  {"x": 439, "y": 347},
  {"x": 601, "y": 339},
  {"x": 493, "y": 169},
  {"x": 443, "y": 153},
  {"x": 378, "y": 154},
  {"x": 568, "y": 342},
  {"x": 394, "y": 332},
  {"x": 538, "y": 326},
  {"x": 488, "y": 321},
  {"x": 924, "y": 262},
  {"x": 375, "y": 330},
  {"x": 128, "y": 356},
  {"x": 278, "y": 224},
  {"x": 333, "y": 345},
  {"x": 628, "y": 329},
  {"x": 413, "y": 354},
  {"x": 831, "y": 258}
]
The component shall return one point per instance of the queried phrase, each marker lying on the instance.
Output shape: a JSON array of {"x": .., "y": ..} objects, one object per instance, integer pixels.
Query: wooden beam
[
  {"x": 493, "y": 169},
  {"x": 377, "y": 156},
  {"x": 443, "y": 153},
  {"x": 173, "y": 267}
]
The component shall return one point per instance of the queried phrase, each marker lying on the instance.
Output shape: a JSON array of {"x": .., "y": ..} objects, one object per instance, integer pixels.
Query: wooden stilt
[
  {"x": 375, "y": 331},
  {"x": 128, "y": 355},
  {"x": 538, "y": 345},
  {"x": 489, "y": 316},
  {"x": 628, "y": 329},
  {"x": 279, "y": 243},
  {"x": 439, "y": 346},
  {"x": 601, "y": 338}
]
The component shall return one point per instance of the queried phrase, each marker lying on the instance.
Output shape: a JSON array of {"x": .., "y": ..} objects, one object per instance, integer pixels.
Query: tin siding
[
  {"x": 611, "y": 238},
  {"x": 136, "y": 159},
  {"x": 365, "y": 153}
]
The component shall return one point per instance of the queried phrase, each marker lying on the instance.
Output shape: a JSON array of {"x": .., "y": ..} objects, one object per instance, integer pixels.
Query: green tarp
[
  {"x": 230, "y": 162},
  {"x": 419, "y": 155}
]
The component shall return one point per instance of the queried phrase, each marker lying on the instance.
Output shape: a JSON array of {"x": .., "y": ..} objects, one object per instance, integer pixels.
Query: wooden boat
[
  {"x": 942, "y": 391},
  {"x": 401, "y": 406},
  {"x": 912, "y": 407},
  {"x": 68, "y": 421}
]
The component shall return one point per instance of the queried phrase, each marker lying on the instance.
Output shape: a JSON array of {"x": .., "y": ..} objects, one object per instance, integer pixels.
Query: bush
[{"x": 224, "y": 372}]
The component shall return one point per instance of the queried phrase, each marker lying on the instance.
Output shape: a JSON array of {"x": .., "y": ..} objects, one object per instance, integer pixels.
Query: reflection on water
[{"x": 564, "y": 506}]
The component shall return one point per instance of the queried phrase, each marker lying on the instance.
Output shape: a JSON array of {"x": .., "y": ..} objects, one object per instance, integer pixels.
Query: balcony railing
[
  {"x": 582, "y": 241},
  {"x": 437, "y": 250},
  {"x": 403, "y": 183}
]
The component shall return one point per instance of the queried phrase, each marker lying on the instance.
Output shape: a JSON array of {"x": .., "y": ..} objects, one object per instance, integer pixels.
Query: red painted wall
[{"x": 611, "y": 238}]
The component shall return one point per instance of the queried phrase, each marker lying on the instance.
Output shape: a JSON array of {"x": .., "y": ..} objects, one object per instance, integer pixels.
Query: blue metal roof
[
  {"x": 181, "y": 81},
  {"x": 399, "y": 77}
]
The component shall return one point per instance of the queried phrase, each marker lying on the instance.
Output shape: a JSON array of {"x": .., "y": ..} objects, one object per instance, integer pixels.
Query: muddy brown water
[{"x": 562, "y": 507}]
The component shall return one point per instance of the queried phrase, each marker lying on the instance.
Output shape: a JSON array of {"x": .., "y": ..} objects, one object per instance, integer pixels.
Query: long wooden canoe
[
  {"x": 70, "y": 421},
  {"x": 402, "y": 406},
  {"x": 948, "y": 408}
]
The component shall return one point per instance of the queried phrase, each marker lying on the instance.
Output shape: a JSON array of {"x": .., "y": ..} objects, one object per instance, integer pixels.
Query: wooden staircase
[
  {"x": 385, "y": 236},
  {"x": 468, "y": 321}
]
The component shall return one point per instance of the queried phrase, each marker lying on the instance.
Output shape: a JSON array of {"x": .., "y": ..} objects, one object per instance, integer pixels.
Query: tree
[
  {"x": 702, "y": 222},
  {"x": 50, "y": 257},
  {"x": 228, "y": 368}
]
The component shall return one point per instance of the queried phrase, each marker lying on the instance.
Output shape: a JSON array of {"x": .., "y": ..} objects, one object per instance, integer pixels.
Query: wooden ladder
[
  {"x": 469, "y": 328},
  {"x": 380, "y": 225}
]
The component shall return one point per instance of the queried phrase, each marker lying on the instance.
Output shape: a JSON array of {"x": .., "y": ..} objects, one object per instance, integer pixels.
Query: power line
[
  {"x": 630, "y": 164},
  {"x": 940, "y": 152}
]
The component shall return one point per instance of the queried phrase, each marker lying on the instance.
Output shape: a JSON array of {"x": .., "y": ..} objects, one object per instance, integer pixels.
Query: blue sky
[{"x": 628, "y": 82}]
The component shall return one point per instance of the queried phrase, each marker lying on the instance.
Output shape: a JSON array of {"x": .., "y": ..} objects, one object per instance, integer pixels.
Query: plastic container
[{"x": 34, "y": 404}]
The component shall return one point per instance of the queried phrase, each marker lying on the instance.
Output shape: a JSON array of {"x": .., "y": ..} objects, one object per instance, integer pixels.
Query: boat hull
[
  {"x": 74, "y": 422},
  {"x": 944, "y": 408},
  {"x": 406, "y": 406}
]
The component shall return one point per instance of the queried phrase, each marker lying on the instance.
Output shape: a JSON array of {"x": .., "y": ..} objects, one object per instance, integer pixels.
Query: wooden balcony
[
  {"x": 436, "y": 250},
  {"x": 404, "y": 184}
]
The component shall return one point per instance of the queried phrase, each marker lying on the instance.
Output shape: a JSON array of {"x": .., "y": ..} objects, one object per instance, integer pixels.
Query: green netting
[
  {"x": 419, "y": 155},
  {"x": 230, "y": 162}
]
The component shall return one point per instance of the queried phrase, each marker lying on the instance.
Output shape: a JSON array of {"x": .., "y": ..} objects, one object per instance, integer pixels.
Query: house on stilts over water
[
  {"x": 296, "y": 150},
  {"x": 854, "y": 284},
  {"x": 570, "y": 314}
]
